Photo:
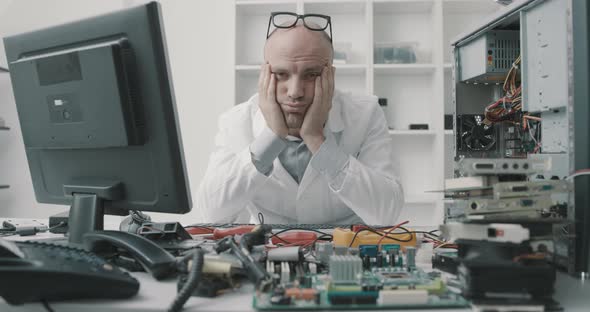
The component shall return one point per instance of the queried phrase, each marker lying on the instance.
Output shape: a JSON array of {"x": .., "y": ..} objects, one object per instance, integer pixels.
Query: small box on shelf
[
  {"x": 418, "y": 126},
  {"x": 395, "y": 53},
  {"x": 342, "y": 52}
]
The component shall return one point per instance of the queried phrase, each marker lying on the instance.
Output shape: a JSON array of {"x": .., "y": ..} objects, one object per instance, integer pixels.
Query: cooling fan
[{"x": 474, "y": 135}]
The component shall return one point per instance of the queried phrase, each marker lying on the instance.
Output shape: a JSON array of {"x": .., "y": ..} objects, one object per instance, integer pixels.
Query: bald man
[{"x": 298, "y": 151}]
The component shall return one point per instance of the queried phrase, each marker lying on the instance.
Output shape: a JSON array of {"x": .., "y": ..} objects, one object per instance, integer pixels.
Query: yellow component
[{"x": 343, "y": 237}]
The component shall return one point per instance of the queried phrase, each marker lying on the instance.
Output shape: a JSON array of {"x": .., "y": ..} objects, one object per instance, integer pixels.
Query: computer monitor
[{"x": 98, "y": 116}]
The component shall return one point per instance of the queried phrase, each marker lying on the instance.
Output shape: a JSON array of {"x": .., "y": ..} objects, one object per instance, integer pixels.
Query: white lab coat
[{"x": 233, "y": 190}]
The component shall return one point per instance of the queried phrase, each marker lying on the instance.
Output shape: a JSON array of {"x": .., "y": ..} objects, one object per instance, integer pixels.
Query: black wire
[
  {"x": 420, "y": 232},
  {"x": 192, "y": 281},
  {"x": 46, "y": 306},
  {"x": 62, "y": 223},
  {"x": 301, "y": 229},
  {"x": 261, "y": 218}
]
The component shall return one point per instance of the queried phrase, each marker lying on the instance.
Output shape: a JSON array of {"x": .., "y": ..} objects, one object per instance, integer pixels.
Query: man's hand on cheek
[
  {"x": 268, "y": 103},
  {"x": 312, "y": 130}
]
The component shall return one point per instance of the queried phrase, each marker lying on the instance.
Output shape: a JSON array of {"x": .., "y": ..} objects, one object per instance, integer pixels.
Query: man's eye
[
  {"x": 281, "y": 75},
  {"x": 312, "y": 75}
]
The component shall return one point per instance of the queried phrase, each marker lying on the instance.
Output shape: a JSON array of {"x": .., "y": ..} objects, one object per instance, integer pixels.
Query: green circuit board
[{"x": 377, "y": 289}]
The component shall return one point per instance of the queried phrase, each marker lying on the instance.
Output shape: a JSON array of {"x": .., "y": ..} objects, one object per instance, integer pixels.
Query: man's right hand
[{"x": 267, "y": 101}]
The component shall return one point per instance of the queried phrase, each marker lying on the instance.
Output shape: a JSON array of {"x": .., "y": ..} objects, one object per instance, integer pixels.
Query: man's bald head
[{"x": 299, "y": 40}]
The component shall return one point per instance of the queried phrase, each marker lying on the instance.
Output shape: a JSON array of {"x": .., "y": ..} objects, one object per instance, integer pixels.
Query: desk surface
[{"x": 571, "y": 293}]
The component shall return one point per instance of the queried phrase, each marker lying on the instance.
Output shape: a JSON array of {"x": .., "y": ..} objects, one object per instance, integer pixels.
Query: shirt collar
[{"x": 334, "y": 123}]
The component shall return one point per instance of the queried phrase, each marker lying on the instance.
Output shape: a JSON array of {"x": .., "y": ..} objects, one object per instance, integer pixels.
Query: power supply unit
[{"x": 488, "y": 58}]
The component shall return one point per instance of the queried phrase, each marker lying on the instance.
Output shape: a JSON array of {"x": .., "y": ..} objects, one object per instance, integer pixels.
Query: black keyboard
[{"x": 37, "y": 271}]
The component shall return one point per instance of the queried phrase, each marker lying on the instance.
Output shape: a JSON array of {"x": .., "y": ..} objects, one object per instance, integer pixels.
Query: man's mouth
[{"x": 293, "y": 108}]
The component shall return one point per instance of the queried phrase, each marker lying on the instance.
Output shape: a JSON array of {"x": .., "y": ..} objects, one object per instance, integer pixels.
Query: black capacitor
[
  {"x": 379, "y": 260},
  {"x": 366, "y": 262}
]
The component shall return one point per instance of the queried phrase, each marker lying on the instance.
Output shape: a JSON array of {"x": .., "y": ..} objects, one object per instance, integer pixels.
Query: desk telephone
[{"x": 36, "y": 271}]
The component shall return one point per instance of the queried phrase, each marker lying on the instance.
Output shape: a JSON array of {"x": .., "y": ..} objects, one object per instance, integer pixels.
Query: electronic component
[
  {"x": 535, "y": 205},
  {"x": 411, "y": 258},
  {"x": 495, "y": 232},
  {"x": 474, "y": 136},
  {"x": 345, "y": 237},
  {"x": 293, "y": 254},
  {"x": 466, "y": 183},
  {"x": 58, "y": 223},
  {"x": 401, "y": 297},
  {"x": 445, "y": 260},
  {"x": 324, "y": 250},
  {"x": 24, "y": 227},
  {"x": 301, "y": 293},
  {"x": 163, "y": 231},
  {"x": 345, "y": 269},
  {"x": 368, "y": 250},
  {"x": 526, "y": 189},
  {"x": 489, "y": 166},
  {"x": 489, "y": 57}
]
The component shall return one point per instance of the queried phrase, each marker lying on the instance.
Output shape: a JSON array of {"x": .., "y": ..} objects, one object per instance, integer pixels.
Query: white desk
[{"x": 573, "y": 294}]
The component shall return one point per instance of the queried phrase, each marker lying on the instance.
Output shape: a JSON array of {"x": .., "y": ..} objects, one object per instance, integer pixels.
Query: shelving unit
[{"x": 418, "y": 92}]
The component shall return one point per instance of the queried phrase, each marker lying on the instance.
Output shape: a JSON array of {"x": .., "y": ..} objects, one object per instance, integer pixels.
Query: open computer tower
[{"x": 522, "y": 122}]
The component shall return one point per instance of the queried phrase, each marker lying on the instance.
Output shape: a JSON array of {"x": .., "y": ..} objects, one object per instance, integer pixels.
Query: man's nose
[{"x": 296, "y": 90}]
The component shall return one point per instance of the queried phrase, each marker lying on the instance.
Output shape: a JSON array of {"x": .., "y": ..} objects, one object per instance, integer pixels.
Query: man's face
[{"x": 296, "y": 57}]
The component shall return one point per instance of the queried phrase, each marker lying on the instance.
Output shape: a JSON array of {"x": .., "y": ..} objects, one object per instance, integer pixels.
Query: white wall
[{"x": 200, "y": 45}]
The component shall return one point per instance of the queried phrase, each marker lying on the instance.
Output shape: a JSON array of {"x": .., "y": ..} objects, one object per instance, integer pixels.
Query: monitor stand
[{"x": 87, "y": 210}]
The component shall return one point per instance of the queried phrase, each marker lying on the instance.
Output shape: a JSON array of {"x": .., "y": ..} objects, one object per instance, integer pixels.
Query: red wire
[{"x": 390, "y": 231}]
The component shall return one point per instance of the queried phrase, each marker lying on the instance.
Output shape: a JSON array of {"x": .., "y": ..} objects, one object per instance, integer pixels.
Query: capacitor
[{"x": 411, "y": 258}]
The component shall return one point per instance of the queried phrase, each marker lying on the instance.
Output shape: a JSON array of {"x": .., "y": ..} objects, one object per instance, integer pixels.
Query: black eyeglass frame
[{"x": 299, "y": 16}]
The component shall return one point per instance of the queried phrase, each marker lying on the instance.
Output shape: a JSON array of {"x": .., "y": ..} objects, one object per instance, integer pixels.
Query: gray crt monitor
[{"x": 98, "y": 116}]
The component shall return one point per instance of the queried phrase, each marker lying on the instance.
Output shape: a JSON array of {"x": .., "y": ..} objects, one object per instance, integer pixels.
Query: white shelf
[
  {"x": 469, "y": 6},
  {"x": 251, "y": 6},
  {"x": 412, "y": 132},
  {"x": 448, "y": 132},
  {"x": 335, "y": 8},
  {"x": 350, "y": 68},
  {"x": 404, "y": 68},
  {"x": 402, "y": 6}
]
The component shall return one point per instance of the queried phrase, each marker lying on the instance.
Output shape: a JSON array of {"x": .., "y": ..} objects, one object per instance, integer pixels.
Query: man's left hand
[{"x": 312, "y": 129}]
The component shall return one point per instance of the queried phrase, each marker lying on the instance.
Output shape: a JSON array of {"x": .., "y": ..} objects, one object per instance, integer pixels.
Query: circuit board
[{"x": 377, "y": 289}]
